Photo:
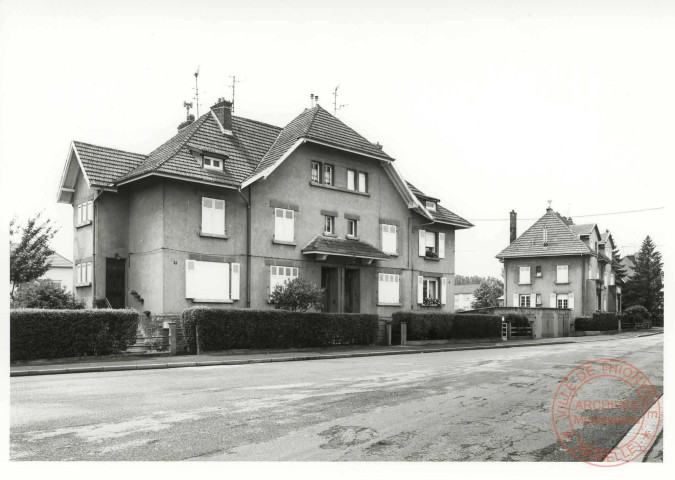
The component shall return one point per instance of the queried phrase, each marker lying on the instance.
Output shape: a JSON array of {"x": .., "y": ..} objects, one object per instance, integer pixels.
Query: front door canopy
[{"x": 322, "y": 246}]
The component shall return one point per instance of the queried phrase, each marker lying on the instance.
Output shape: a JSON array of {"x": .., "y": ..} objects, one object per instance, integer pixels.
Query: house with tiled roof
[
  {"x": 230, "y": 207},
  {"x": 557, "y": 264},
  {"x": 60, "y": 271},
  {"x": 465, "y": 296}
]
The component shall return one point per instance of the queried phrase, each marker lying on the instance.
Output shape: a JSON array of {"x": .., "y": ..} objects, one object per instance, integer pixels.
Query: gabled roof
[
  {"x": 322, "y": 245},
  {"x": 562, "y": 240},
  {"x": 584, "y": 229},
  {"x": 56, "y": 260},
  {"x": 441, "y": 214},
  {"x": 466, "y": 288},
  {"x": 319, "y": 126}
]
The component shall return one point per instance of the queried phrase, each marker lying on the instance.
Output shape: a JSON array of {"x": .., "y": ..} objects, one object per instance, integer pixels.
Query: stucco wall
[
  {"x": 111, "y": 217},
  {"x": 60, "y": 274},
  {"x": 83, "y": 239}
]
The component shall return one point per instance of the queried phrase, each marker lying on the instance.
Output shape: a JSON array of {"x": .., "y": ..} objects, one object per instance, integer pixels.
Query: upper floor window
[
  {"x": 85, "y": 212},
  {"x": 363, "y": 182},
  {"x": 562, "y": 274},
  {"x": 524, "y": 275},
  {"x": 284, "y": 224},
  {"x": 537, "y": 271},
  {"x": 328, "y": 174},
  {"x": 213, "y": 163},
  {"x": 351, "y": 179},
  {"x": 357, "y": 181},
  {"x": 431, "y": 205},
  {"x": 213, "y": 216},
  {"x": 316, "y": 172},
  {"x": 389, "y": 240},
  {"x": 431, "y": 244},
  {"x": 352, "y": 228},
  {"x": 329, "y": 224}
]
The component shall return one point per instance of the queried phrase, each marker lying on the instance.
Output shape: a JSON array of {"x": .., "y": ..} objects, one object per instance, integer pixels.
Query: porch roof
[{"x": 322, "y": 245}]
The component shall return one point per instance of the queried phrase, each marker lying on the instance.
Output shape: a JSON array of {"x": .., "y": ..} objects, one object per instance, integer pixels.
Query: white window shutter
[
  {"x": 234, "y": 283},
  {"x": 383, "y": 231},
  {"x": 570, "y": 300},
  {"x": 278, "y": 223},
  {"x": 190, "y": 278},
  {"x": 206, "y": 214},
  {"x": 420, "y": 289},
  {"x": 444, "y": 289},
  {"x": 552, "y": 301},
  {"x": 90, "y": 275},
  {"x": 396, "y": 289},
  {"x": 381, "y": 293},
  {"x": 422, "y": 243},
  {"x": 219, "y": 217},
  {"x": 516, "y": 303},
  {"x": 533, "y": 300},
  {"x": 441, "y": 245},
  {"x": 79, "y": 273},
  {"x": 290, "y": 225},
  {"x": 90, "y": 210}
]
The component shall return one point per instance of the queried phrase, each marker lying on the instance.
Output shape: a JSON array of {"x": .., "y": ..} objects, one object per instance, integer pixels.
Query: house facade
[
  {"x": 464, "y": 296},
  {"x": 60, "y": 271},
  {"x": 557, "y": 264},
  {"x": 230, "y": 207}
]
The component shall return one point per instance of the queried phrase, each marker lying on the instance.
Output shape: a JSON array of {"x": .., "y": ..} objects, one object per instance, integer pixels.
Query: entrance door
[
  {"x": 329, "y": 282},
  {"x": 352, "y": 291},
  {"x": 114, "y": 282}
]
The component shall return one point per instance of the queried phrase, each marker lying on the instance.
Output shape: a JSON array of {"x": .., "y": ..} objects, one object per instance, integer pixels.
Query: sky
[{"x": 491, "y": 106}]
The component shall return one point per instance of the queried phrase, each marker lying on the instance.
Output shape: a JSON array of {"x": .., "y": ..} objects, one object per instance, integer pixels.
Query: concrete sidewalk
[{"x": 161, "y": 361}]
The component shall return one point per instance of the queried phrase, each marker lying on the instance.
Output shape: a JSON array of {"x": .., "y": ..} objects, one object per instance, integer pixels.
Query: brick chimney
[
  {"x": 513, "y": 231},
  {"x": 223, "y": 111},
  {"x": 188, "y": 121}
]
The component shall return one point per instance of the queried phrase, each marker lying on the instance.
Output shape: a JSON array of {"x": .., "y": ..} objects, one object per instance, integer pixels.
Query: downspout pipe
[{"x": 247, "y": 201}]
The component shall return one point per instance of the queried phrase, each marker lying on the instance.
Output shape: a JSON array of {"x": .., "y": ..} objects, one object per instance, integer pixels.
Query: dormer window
[
  {"x": 431, "y": 205},
  {"x": 213, "y": 163}
]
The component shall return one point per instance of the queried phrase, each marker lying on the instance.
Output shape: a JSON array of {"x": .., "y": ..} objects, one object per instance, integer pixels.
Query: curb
[{"x": 214, "y": 363}]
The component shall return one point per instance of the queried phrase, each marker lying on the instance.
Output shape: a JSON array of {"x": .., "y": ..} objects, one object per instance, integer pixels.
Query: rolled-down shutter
[
  {"x": 422, "y": 243},
  {"x": 420, "y": 289},
  {"x": 552, "y": 302},
  {"x": 444, "y": 289},
  {"x": 190, "y": 279},
  {"x": 570, "y": 301},
  {"x": 234, "y": 283},
  {"x": 515, "y": 300},
  {"x": 441, "y": 245},
  {"x": 533, "y": 300}
]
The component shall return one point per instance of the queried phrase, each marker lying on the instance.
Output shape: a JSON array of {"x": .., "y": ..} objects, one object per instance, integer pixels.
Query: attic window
[
  {"x": 431, "y": 205},
  {"x": 213, "y": 163},
  {"x": 545, "y": 236}
]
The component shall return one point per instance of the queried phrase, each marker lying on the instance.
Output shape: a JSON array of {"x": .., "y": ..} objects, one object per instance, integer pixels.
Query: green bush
[
  {"x": 226, "y": 329},
  {"x": 601, "y": 322},
  {"x": 636, "y": 314},
  {"x": 298, "y": 295},
  {"x": 45, "y": 294},
  {"x": 517, "y": 320},
  {"x": 70, "y": 333},
  {"x": 446, "y": 326}
]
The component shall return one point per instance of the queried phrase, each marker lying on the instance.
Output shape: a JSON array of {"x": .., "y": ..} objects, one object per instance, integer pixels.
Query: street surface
[{"x": 479, "y": 405}]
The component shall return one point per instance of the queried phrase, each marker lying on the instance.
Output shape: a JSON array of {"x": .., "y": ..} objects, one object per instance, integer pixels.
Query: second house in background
[{"x": 230, "y": 207}]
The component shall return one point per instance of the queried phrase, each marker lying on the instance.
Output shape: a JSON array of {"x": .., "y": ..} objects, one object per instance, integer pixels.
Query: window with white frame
[
  {"x": 212, "y": 281},
  {"x": 84, "y": 272},
  {"x": 562, "y": 300},
  {"x": 562, "y": 274},
  {"x": 388, "y": 288},
  {"x": 351, "y": 179},
  {"x": 213, "y": 163},
  {"x": 352, "y": 228},
  {"x": 85, "y": 212},
  {"x": 430, "y": 288},
  {"x": 329, "y": 224},
  {"x": 431, "y": 244},
  {"x": 316, "y": 172},
  {"x": 328, "y": 174},
  {"x": 538, "y": 299},
  {"x": 284, "y": 224},
  {"x": 363, "y": 182},
  {"x": 524, "y": 301},
  {"x": 431, "y": 205},
  {"x": 213, "y": 216},
  {"x": 389, "y": 240},
  {"x": 281, "y": 275},
  {"x": 524, "y": 275}
]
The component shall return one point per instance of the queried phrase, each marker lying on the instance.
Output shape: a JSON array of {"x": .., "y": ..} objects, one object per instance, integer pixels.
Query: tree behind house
[
  {"x": 645, "y": 287},
  {"x": 298, "y": 295},
  {"x": 29, "y": 250},
  {"x": 488, "y": 293}
]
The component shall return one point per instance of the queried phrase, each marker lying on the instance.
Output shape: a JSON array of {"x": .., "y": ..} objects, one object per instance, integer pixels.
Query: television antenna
[
  {"x": 187, "y": 106},
  {"x": 197, "y": 90},
  {"x": 336, "y": 106},
  {"x": 232, "y": 86}
]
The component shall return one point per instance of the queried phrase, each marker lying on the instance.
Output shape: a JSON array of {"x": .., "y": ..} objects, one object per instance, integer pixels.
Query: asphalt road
[{"x": 486, "y": 405}]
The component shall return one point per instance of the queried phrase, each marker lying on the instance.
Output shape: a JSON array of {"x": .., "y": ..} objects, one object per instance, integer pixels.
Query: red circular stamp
[{"x": 606, "y": 412}]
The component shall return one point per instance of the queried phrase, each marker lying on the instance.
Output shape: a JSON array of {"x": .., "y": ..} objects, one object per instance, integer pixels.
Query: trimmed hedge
[
  {"x": 38, "y": 333},
  {"x": 601, "y": 322},
  {"x": 226, "y": 329},
  {"x": 517, "y": 320},
  {"x": 446, "y": 326}
]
